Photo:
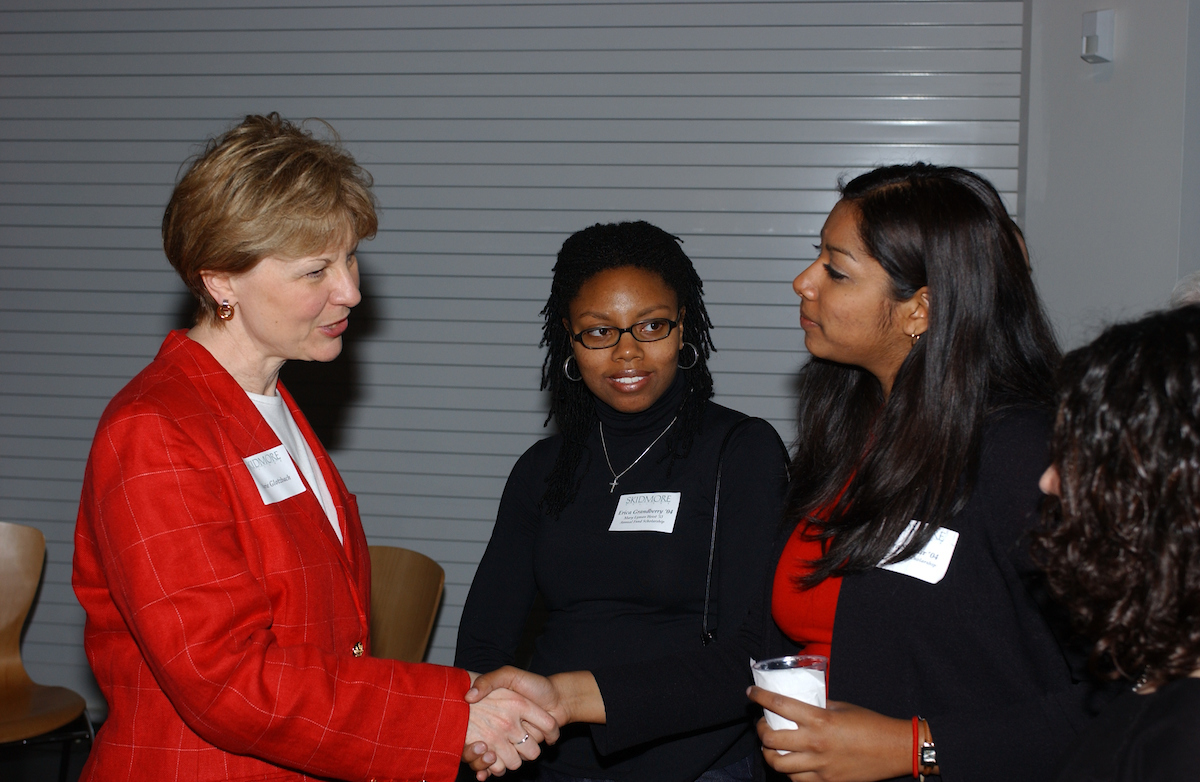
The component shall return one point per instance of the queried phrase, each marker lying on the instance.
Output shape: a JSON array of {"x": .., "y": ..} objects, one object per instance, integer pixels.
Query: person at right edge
[
  {"x": 1122, "y": 540},
  {"x": 923, "y": 428}
]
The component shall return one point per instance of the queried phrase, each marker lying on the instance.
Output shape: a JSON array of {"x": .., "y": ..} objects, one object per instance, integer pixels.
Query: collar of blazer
[{"x": 248, "y": 433}]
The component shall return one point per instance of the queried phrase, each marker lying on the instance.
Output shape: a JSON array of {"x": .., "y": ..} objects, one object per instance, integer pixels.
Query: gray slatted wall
[{"x": 494, "y": 130}]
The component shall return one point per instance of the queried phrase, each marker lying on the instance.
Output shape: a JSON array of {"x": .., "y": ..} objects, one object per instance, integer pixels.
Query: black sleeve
[
  {"x": 706, "y": 686},
  {"x": 504, "y": 587},
  {"x": 1014, "y": 458}
]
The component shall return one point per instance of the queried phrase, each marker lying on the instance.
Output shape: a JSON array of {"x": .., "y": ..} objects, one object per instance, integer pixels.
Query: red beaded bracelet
[{"x": 916, "y": 745}]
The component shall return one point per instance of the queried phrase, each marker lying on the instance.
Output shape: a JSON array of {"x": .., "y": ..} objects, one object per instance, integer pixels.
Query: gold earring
[
  {"x": 915, "y": 338},
  {"x": 225, "y": 311}
]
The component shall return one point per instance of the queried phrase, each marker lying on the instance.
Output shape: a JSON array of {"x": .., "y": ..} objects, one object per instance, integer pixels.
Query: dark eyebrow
[
  {"x": 638, "y": 317},
  {"x": 840, "y": 250}
]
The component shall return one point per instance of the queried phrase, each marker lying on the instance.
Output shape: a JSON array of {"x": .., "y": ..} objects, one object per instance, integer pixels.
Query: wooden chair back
[
  {"x": 27, "y": 710},
  {"x": 406, "y": 590},
  {"x": 22, "y": 551}
]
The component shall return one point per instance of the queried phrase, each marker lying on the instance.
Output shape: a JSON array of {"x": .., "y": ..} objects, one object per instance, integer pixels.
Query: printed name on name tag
[
  {"x": 275, "y": 475},
  {"x": 648, "y": 512},
  {"x": 930, "y": 563}
]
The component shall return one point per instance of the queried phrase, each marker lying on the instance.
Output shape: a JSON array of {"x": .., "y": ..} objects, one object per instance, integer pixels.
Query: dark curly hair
[
  {"x": 1121, "y": 548},
  {"x": 914, "y": 455},
  {"x": 583, "y": 255}
]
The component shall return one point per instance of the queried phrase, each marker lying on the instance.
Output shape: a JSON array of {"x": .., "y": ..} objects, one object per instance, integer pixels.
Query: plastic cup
[{"x": 797, "y": 676}]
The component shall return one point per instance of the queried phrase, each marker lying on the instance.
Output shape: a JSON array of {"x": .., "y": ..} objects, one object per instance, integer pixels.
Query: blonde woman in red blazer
[{"x": 218, "y": 554}]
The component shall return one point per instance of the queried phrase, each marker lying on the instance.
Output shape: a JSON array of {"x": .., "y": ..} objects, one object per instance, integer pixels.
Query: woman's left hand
[{"x": 841, "y": 743}]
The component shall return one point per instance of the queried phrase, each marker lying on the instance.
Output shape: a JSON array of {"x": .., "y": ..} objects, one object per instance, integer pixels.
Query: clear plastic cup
[{"x": 797, "y": 676}]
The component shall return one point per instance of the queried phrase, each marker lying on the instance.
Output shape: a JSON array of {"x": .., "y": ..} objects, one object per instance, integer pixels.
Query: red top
[{"x": 804, "y": 616}]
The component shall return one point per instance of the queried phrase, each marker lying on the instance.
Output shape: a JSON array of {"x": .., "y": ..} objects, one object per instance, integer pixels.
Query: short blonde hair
[{"x": 267, "y": 187}]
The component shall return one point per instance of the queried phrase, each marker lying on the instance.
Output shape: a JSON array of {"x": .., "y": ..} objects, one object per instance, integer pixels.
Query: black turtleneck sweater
[{"x": 622, "y": 597}]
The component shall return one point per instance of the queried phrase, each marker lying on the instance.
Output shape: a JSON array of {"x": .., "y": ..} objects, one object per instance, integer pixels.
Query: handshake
[{"x": 514, "y": 711}]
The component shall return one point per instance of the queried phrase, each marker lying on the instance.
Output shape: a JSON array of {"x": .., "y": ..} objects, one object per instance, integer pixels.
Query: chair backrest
[
  {"x": 406, "y": 589},
  {"x": 22, "y": 551}
]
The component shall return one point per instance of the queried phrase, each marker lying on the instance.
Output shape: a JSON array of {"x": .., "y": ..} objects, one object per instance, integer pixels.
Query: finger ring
[{"x": 522, "y": 741}]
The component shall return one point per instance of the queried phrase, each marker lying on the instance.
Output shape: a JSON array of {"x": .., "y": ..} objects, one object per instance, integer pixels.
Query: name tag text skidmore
[
  {"x": 275, "y": 475},
  {"x": 647, "y": 512}
]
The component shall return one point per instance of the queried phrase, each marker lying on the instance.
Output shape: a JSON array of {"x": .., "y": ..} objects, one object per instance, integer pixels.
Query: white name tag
[
  {"x": 274, "y": 475},
  {"x": 930, "y": 563},
  {"x": 649, "y": 512}
]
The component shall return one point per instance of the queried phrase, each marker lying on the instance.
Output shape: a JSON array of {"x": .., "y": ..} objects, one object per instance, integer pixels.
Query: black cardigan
[
  {"x": 630, "y": 597},
  {"x": 980, "y": 654},
  {"x": 1142, "y": 738}
]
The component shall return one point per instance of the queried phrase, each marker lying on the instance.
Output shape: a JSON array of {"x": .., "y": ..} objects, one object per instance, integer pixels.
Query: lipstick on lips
[{"x": 336, "y": 329}]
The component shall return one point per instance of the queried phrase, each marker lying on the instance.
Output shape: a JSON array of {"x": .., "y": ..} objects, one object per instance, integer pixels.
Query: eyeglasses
[{"x": 602, "y": 337}]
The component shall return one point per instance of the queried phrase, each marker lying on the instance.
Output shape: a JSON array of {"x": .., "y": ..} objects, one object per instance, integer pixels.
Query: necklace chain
[
  {"x": 617, "y": 475},
  {"x": 1142, "y": 680}
]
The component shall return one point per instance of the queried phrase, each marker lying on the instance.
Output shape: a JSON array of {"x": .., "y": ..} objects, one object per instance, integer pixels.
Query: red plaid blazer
[{"x": 222, "y": 630}]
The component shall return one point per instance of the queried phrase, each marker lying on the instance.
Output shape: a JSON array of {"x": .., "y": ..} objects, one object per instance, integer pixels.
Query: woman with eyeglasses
[
  {"x": 612, "y": 519},
  {"x": 923, "y": 427}
]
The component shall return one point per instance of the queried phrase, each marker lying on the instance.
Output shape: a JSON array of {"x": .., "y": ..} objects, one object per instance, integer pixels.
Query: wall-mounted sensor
[{"x": 1098, "y": 36}]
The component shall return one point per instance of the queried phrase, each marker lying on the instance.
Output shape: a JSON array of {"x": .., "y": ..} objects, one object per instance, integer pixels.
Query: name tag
[
  {"x": 930, "y": 563},
  {"x": 274, "y": 474},
  {"x": 649, "y": 512}
]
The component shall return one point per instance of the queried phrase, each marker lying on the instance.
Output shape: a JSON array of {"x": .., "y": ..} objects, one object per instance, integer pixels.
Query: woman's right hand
[
  {"x": 841, "y": 743},
  {"x": 511, "y": 726}
]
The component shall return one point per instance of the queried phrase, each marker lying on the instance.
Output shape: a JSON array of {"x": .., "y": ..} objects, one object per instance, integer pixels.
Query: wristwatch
[{"x": 928, "y": 758}]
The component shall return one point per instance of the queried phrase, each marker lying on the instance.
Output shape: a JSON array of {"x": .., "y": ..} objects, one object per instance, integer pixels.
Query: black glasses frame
[{"x": 671, "y": 326}]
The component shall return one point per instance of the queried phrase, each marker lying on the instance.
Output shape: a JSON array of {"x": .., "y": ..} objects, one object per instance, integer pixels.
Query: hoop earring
[
  {"x": 695, "y": 357},
  {"x": 567, "y": 370},
  {"x": 225, "y": 311},
  {"x": 915, "y": 339}
]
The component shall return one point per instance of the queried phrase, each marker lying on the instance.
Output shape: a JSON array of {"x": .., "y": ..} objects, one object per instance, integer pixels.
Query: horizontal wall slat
[
  {"x": 602, "y": 127},
  {"x": 52, "y": 6},
  {"x": 592, "y": 16},
  {"x": 417, "y": 176},
  {"x": 575, "y": 152},
  {"x": 661, "y": 39},
  {"x": 792, "y": 62},
  {"x": 516, "y": 85}
]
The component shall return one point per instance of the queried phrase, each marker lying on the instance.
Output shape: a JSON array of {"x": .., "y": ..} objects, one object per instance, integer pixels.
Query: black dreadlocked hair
[{"x": 584, "y": 255}]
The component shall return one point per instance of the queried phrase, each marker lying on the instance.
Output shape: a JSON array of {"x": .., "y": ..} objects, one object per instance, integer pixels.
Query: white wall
[{"x": 1105, "y": 214}]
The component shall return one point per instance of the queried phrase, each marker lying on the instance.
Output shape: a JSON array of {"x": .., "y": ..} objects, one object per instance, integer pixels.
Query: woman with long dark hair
[
  {"x": 1122, "y": 540},
  {"x": 615, "y": 520},
  {"x": 923, "y": 425}
]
